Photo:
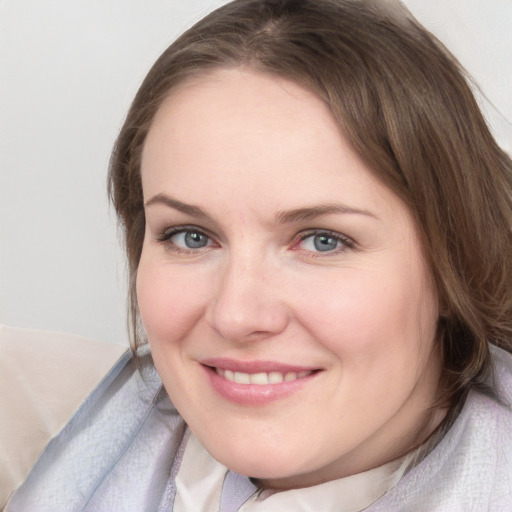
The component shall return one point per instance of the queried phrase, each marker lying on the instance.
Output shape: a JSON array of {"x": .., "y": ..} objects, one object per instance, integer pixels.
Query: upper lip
[{"x": 254, "y": 366}]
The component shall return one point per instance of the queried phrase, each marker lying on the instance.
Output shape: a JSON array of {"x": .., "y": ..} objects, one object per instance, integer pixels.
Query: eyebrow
[
  {"x": 281, "y": 217},
  {"x": 189, "y": 209},
  {"x": 312, "y": 212}
]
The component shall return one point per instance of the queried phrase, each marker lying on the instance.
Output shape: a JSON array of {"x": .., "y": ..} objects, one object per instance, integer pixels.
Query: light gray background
[{"x": 68, "y": 71}]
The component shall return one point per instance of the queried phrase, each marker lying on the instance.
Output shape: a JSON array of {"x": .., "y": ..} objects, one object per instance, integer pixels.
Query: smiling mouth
[
  {"x": 256, "y": 383},
  {"x": 261, "y": 378}
]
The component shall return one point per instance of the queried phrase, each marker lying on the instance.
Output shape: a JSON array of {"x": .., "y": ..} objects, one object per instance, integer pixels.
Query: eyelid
[{"x": 168, "y": 232}]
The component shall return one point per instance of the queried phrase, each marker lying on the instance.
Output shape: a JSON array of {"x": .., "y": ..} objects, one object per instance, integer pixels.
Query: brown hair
[{"x": 404, "y": 104}]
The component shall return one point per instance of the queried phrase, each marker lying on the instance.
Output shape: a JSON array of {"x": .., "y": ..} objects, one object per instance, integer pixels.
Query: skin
[{"x": 244, "y": 148}]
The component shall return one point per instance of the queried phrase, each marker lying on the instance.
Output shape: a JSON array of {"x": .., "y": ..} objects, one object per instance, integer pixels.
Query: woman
[{"x": 318, "y": 226}]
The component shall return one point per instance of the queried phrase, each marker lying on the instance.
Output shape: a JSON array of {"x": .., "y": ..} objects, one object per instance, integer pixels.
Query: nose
[{"x": 247, "y": 306}]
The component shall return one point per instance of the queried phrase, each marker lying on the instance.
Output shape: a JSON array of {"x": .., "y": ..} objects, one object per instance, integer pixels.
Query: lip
[
  {"x": 255, "y": 394},
  {"x": 255, "y": 366}
]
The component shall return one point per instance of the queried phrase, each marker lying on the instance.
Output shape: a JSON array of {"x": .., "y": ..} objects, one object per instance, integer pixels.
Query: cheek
[
  {"x": 374, "y": 316},
  {"x": 170, "y": 299}
]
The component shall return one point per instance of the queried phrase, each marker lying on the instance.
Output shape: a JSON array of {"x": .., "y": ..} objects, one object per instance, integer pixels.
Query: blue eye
[
  {"x": 323, "y": 242},
  {"x": 182, "y": 238},
  {"x": 190, "y": 239}
]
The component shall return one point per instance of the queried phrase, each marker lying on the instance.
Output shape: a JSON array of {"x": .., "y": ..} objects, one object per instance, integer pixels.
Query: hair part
[{"x": 405, "y": 107}]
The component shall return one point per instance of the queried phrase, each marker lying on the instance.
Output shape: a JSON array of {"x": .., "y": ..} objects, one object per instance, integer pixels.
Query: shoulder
[
  {"x": 44, "y": 377},
  {"x": 471, "y": 468},
  {"x": 120, "y": 445}
]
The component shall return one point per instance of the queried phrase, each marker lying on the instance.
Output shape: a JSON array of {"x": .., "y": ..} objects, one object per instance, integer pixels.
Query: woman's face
[{"x": 283, "y": 289}]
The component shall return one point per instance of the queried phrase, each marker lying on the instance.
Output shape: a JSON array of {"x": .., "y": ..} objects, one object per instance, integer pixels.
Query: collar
[{"x": 204, "y": 484}]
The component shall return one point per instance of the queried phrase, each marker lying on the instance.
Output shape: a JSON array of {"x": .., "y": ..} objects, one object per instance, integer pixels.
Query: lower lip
[{"x": 254, "y": 394}]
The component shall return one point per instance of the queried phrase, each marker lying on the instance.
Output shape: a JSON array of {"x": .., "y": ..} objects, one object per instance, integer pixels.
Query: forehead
[
  {"x": 242, "y": 101},
  {"x": 250, "y": 135}
]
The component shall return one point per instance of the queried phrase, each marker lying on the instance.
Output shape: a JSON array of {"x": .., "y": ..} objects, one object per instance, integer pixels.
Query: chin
[
  {"x": 262, "y": 463},
  {"x": 283, "y": 476}
]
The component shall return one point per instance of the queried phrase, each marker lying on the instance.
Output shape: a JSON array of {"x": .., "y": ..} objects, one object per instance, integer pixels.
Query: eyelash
[
  {"x": 346, "y": 243},
  {"x": 165, "y": 238}
]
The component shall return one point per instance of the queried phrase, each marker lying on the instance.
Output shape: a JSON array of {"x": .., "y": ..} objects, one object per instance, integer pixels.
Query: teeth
[
  {"x": 275, "y": 377},
  {"x": 242, "y": 378},
  {"x": 262, "y": 378},
  {"x": 259, "y": 378}
]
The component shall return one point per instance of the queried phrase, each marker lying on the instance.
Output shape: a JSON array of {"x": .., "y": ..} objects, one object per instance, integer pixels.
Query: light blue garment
[
  {"x": 122, "y": 450},
  {"x": 470, "y": 470},
  {"x": 116, "y": 453}
]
